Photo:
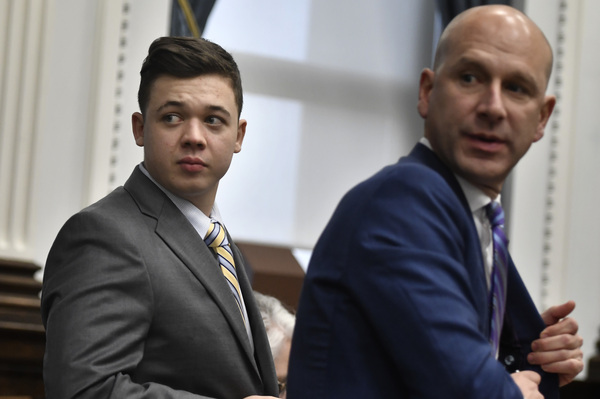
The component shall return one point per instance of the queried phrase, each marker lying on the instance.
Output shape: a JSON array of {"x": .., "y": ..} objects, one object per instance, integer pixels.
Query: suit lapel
[
  {"x": 264, "y": 360},
  {"x": 181, "y": 237},
  {"x": 523, "y": 323},
  {"x": 427, "y": 157}
]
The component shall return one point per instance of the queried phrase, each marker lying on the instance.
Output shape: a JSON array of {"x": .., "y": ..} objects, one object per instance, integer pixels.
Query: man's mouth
[
  {"x": 486, "y": 142},
  {"x": 192, "y": 164}
]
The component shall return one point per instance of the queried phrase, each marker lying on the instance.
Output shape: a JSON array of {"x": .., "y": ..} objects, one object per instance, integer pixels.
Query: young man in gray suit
[{"x": 144, "y": 294}]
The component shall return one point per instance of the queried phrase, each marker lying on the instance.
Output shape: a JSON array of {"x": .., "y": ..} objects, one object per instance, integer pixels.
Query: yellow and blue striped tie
[{"x": 216, "y": 238}]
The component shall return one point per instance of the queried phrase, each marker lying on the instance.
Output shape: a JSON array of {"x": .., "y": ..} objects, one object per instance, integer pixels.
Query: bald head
[
  {"x": 485, "y": 102},
  {"x": 502, "y": 26}
]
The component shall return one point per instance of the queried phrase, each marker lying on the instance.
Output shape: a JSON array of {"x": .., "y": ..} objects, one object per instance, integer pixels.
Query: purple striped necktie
[{"x": 499, "y": 272}]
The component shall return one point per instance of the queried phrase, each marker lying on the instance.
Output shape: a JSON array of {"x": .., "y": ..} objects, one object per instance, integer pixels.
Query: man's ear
[
  {"x": 241, "y": 133},
  {"x": 425, "y": 88},
  {"x": 545, "y": 112},
  {"x": 137, "y": 126}
]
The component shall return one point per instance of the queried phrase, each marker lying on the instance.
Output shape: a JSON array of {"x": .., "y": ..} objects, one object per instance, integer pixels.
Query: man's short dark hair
[{"x": 187, "y": 57}]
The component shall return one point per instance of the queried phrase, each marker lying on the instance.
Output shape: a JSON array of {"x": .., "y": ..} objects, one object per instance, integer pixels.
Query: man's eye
[
  {"x": 172, "y": 118},
  {"x": 515, "y": 88},
  {"x": 213, "y": 120},
  {"x": 467, "y": 78}
]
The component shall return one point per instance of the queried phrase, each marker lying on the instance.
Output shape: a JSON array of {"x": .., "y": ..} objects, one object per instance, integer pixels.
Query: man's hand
[
  {"x": 558, "y": 350},
  {"x": 528, "y": 382}
]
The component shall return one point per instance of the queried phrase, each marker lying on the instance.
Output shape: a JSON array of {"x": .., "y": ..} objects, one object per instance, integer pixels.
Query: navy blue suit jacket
[{"x": 395, "y": 300}]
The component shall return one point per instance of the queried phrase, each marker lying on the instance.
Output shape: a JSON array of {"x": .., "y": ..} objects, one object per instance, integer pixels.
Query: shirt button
[{"x": 508, "y": 360}]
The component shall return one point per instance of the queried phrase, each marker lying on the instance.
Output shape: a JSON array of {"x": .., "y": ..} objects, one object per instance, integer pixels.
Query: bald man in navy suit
[{"x": 397, "y": 300}]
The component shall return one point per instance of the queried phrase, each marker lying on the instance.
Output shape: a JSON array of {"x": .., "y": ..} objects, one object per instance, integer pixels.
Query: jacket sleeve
[
  {"x": 399, "y": 265},
  {"x": 417, "y": 244},
  {"x": 97, "y": 306}
]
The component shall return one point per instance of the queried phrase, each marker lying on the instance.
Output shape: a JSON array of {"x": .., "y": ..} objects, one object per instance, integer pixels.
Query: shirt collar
[
  {"x": 476, "y": 198},
  {"x": 195, "y": 216}
]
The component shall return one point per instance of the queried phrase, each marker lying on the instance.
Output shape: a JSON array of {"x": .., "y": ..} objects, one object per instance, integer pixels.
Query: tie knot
[
  {"x": 216, "y": 237},
  {"x": 495, "y": 214}
]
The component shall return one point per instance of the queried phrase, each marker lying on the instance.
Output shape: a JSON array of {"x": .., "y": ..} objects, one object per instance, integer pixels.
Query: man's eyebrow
[
  {"x": 180, "y": 104},
  {"x": 218, "y": 108},
  {"x": 171, "y": 103},
  {"x": 469, "y": 62}
]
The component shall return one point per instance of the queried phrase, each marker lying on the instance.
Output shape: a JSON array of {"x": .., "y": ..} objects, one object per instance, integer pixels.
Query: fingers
[
  {"x": 568, "y": 326},
  {"x": 559, "y": 354},
  {"x": 572, "y": 360},
  {"x": 567, "y": 370},
  {"x": 566, "y": 367},
  {"x": 555, "y": 340},
  {"x": 555, "y": 313},
  {"x": 530, "y": 376},
  {"x": 556, "y": 350},
  {"x": 528, "y": 382}
]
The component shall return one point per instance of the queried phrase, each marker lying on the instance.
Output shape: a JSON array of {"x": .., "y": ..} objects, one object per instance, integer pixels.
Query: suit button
[{"x": 508, "y": 360}]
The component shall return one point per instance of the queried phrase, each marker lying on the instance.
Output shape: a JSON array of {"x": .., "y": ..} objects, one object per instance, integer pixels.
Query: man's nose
[
  {"x": 194, "y": 134},
  {"x": 491, "y": 104}
]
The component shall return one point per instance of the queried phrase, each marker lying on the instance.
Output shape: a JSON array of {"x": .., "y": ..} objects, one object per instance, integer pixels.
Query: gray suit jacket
[{"x": 135, "y": 306}]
